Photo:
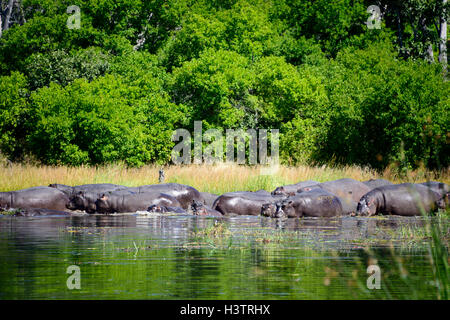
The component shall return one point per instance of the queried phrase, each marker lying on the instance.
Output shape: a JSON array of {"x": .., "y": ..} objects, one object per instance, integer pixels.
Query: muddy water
[{"x": 169, "y": 257}]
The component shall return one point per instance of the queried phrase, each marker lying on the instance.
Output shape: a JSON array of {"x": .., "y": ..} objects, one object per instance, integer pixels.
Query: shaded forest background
[{"x": 116, "y": 88}]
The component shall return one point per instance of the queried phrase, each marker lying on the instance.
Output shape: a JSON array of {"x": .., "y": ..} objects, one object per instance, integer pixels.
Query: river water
[{"x": 170, "y": 257}]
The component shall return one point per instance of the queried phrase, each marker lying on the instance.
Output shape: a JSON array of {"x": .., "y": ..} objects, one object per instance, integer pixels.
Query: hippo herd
[{"x": 303, "y": 199}]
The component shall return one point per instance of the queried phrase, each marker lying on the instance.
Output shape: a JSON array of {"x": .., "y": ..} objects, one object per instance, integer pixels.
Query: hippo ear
[{"x": 104, "y": 197}]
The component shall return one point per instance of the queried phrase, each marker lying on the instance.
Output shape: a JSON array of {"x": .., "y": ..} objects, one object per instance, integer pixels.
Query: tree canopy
[{"x": 115, "y": 88}]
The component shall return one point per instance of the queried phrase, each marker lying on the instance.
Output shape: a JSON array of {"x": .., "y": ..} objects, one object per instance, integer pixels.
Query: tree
[
  {"x": 14, "y": 110},
  {"x": 443, "y": 36}
]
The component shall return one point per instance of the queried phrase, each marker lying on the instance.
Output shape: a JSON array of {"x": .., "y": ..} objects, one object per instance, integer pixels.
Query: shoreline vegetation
[{"x": 218, "y": 178}]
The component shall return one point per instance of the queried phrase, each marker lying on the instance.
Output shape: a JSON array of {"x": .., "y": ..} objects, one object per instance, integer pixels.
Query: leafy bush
[
  {"x": 99, "y": 122},
  {"x": 61, "y": 67}
]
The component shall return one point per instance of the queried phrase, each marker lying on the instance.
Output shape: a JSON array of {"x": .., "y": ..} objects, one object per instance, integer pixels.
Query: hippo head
[
  {"x": 281, "y": 191},
  {"x": 278, "y": 191},
  {"x": 198, "y": 208},
  {"x": 156, "y": 209},
  {"x": 269, "y": 210},
  {"x": 443, "y": 202},
  {"x": 285, "y": 209},
  {"x": 102, "y": 204},
  {"x": 81, "y": 202},
  {"x": 366, "y": 207}
]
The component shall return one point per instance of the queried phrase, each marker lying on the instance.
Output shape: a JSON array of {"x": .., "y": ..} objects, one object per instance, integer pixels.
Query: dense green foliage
[{"x": 115, "y": 89}]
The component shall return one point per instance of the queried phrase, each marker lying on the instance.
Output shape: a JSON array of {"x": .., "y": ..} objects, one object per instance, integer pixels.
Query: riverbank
[{"x": 215, "y": 179}]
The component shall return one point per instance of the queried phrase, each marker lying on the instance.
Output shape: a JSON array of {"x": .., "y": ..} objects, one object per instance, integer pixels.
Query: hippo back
[
  {"x": 241, "y": 203},
  {"x": 183, "y": 193},
  {"x": 375, "y": 183},
  {"x": 439, "y": 187},
  {"x": 39, "y": 197},
  {"x": 406, "y": 199},
  {"x": 314, "y": 203},
  {"x": 344, "y": 188},
  {"x": 292, "y": 188}
]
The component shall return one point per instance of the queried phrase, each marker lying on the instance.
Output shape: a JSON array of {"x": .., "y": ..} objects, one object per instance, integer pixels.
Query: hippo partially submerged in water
[
  {"x": 155, "y": 208},
  {"x": 133, "y": 202},
  {"x": 242, "y": 203},
  {"x": 200, "y": 209},
  {"x": 33, "y": 212},
  {"x": 406, "y": 199},
  {"x": 314, "y": 203},
  {"x": 86, "y": 201},
  {"x": 36, "y": 197},
  {"x": 183, "y": 193}
]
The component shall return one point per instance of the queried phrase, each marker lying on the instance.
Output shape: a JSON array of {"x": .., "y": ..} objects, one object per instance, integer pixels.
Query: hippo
[
  {"x": 133, "y": 202},
  {"x": 91, "y": 188},
  {"x": 348, "y": 206},
  {"x": 36, "y": 197},
  {"x": 404, "y": 199},
  {"x": 86, "y": 200},
  {"x": 291, "y": 189},
  {"x": 349, "y": 189},
  {"x": 32, "y": 212},
  {"x": 315, "y": 203},
  {"x": 375, "y": 183},
  {"x": 164, "y": 209},
  {"x": 183, "y": 193},
  {"x": 270, "y": 209},
  {"x": 439, "y": 187},
  {"x": 209, "y": 198},
  {"x": 199, "y": 209},
  {"x": 242, "y": 203}
]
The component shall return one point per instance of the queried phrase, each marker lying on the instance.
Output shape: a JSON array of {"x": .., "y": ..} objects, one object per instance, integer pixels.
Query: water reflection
[{"x": 146, "y": 257}]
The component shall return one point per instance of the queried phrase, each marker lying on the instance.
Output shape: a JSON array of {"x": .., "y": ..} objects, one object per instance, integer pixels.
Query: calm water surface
[{"x": 163, "y": 257}]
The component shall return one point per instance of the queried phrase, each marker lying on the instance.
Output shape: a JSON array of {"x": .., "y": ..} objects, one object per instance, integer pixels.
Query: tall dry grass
[{"x": 210, "y": 178}]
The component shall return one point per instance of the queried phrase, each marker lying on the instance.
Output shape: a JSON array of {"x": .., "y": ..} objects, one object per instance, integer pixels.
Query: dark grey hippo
[
  {"x": 89, "y": 188},
  {"x": 242, "y": 203},
  {"x": 349, "y": 189},
  {"x": 375, "y": 183},
  {"x": 269, "y": 209},
  {"x": 165, "y": 209},
  {"x": 133, "y": 202},
  {"x": 348, "y": 206},
  {"x": 315, "y": 203},
  {"x": 404, "y": 199},
  {"x": 32, "y": 212},
  {"x": 36, "y": 197},
  {"x": 439, "y": 187},
  {"x": 183, "y": 193},
  {"x": 200, "y": 209},
  {"x": 86, "y": 200},
  {"x": 291, "y": 189},
  {"x": 209, "y": 198}
]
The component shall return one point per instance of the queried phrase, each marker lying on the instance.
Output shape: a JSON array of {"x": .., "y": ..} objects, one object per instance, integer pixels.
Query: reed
[{"x": 208, "y": 178}]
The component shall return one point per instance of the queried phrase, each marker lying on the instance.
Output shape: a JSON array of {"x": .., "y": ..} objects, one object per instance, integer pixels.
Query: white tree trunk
[
  {"x": 9, "y": 10},
  {"x": 443, "y": 41},
  {"x": 430, "y": 54}
]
